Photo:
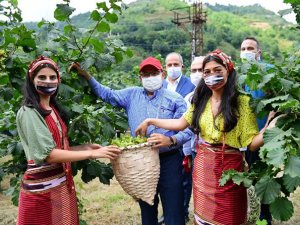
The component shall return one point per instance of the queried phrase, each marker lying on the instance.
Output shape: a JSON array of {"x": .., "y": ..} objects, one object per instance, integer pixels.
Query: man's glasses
[
  {"x": 150, "y": 73},
  {"x": 195, "y": 70}
]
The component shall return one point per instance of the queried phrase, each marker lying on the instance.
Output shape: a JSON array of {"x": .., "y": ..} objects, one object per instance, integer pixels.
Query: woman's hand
[
  {"x": 75, "y": 66},
  {"x": 85, "y": 147},
  {"x": 274, "y": 120},
  {"x": 92, "y": 146},
  {"x": 142, "y": 128},
  {"x": 110, "y": 152}
]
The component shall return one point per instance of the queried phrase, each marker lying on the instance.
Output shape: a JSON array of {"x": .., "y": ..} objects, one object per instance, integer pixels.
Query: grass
[{"x": 110, "y": 205}]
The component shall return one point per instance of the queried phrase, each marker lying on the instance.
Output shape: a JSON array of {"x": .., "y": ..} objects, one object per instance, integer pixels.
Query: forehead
[
  {"x": 172, "y": 58},
  {"x": 212, "y": 65},
  {"x": 46, "y": 71},
  {"x": 249, "y": 43},
  {"x": 197, "y": 64}
]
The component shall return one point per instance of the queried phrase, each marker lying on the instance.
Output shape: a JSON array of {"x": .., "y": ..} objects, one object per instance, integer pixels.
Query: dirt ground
[{"x": 110, "y": 205}]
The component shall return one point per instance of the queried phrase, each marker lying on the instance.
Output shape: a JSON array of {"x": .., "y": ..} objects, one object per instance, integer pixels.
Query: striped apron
[
  {"x": 47, "y": 195},
  {"x": 215, "y": 205}
]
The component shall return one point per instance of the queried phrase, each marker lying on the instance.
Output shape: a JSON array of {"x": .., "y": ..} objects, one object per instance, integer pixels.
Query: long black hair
[
  {"x": 229, "y": 100},
  {"x": 32, "y": 98}
]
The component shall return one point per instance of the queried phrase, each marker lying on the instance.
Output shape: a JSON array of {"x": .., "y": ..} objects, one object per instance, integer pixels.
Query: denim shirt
[
  {"x": 164, "y": 104},
  {"x": 257, "y": 94}
]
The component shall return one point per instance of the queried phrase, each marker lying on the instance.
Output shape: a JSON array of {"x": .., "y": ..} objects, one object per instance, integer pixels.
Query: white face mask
[
  {"x": 196, "y": 77},
  {"x": 214, "y": 81},
  {"x": 249, "y": 56},
  {"x": 174, "y": 72},
  {"x": 152, "y": 83}
]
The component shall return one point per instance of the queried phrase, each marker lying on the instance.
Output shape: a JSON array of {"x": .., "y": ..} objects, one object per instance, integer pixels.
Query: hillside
[{"x": 146, "y": 27}]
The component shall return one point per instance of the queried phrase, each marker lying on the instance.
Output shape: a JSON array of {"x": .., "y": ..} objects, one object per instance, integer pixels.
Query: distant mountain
[{"x": 146, "y": 27}]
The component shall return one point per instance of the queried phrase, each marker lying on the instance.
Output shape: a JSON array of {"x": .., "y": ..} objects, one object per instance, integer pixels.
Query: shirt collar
[
  {"x": 155, "y": 93},
  {"x": 176, "y": 81}
]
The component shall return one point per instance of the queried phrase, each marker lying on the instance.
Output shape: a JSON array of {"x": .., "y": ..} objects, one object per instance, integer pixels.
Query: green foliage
[
  {"x": 93, "y": 40},
  {"x": 295, "y": 7},
  {"x": 277, "y": 175},
  {"x": 261, "y": 222},
  {"x": 282, "y": 209},
  {"x": 63, "y": 12},
  {"x": 237, "y": 178},
  {"x": 267, "y": 189},
  {"x": 126, "y": 140},
  {"x": 93, "y": 169},
  {"x": 91, "y": 120}
]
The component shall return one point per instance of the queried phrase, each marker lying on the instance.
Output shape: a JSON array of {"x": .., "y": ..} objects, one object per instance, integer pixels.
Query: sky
[{"x": 35, "y": 10}]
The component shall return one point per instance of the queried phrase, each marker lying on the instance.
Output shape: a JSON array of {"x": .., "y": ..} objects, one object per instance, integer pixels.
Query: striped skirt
[
  {"x": 45, "y": 197},
  {"x": 215, "y": 205}
]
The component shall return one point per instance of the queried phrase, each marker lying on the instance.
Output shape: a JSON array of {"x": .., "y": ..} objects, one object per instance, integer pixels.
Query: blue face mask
[{"x": 174, "y": 72}]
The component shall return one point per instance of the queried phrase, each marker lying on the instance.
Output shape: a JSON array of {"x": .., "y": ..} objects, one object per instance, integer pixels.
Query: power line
[
  {"x": 196, "y": 16},
  {"x": 146, "y": 45}
]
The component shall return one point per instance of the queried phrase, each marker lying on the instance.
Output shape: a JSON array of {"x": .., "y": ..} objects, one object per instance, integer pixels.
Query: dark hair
[
  {"x": 32, "y": 98},
  {"x": 229, "y": 101},
  {"x": 253, "y": 39}
]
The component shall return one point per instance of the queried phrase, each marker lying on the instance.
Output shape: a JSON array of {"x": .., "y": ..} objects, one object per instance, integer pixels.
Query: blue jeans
[{"x": 170, "y": 190}]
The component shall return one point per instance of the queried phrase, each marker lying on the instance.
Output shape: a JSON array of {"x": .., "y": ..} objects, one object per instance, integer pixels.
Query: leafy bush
[{"x": 277, "y": 174}]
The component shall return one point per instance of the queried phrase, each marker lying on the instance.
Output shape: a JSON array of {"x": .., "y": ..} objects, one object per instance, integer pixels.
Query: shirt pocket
[{"x": 166, "y": 112}]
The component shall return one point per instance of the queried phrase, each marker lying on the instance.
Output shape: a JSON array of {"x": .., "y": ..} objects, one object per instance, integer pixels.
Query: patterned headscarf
[
  {"x": 39, "y": 61},
  {"x": 225, "y": 59}
]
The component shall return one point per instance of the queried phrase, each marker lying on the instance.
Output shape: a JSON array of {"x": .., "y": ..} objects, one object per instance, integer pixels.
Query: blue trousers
[{"x": 170, "y": 190}]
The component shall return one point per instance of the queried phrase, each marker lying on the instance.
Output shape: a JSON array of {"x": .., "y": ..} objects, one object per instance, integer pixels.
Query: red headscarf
[
  {"x": 225, "y": 59},
  {"x": 39, "y": 61}
]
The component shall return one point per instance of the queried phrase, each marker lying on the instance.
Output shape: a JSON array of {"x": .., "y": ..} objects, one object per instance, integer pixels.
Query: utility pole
[{"x": 196, "y": 16}]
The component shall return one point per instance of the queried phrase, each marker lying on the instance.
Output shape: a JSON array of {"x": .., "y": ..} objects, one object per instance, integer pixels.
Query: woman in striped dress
[
  {"x": 47, "y": 193},
  {"x": 227, "y": 126}
]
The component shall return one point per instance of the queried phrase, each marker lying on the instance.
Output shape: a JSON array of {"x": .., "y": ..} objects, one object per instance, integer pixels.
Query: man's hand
[
  {"x": 75, "y": 66},
  {"x": 159, "y": 140}
]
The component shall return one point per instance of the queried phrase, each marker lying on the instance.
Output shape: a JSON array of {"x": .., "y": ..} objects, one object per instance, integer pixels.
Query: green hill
[{"x": 146, "y": 27}]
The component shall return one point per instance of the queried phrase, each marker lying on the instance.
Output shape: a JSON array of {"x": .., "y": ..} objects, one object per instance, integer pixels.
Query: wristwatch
[{"x": 173, "y": 143}]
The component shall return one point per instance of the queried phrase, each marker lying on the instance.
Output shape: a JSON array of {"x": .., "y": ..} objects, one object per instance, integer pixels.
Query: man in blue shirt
[
  {"x": 250, "y": 51},
  {"x": 153, "y": 101}
]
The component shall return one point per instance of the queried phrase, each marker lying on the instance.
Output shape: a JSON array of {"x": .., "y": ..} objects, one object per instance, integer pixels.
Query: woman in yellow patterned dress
[{"x": 227, "y": 126}]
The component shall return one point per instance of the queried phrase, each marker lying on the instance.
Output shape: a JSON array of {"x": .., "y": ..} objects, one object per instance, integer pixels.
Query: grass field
[{"x": 110, "y": 205}]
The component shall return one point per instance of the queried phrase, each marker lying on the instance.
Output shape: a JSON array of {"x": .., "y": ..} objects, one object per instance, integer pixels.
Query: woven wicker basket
[{"x": 137, "y": 170}]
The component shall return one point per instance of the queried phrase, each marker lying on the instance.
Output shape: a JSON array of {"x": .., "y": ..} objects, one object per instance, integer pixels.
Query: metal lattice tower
[{"x": 196, "y": 16}]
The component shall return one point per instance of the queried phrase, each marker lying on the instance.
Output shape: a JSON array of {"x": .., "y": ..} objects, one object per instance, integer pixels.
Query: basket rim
[{"x": 132, "y": 147}]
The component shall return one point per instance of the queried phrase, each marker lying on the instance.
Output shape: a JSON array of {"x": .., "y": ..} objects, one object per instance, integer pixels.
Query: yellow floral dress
[
  {"x": 215, "y": 204},
  {"x": 240, "y": 136}
]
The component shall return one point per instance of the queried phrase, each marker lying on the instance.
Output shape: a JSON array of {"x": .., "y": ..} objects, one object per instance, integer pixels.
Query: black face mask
[{"x": 45, "y": 88}]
